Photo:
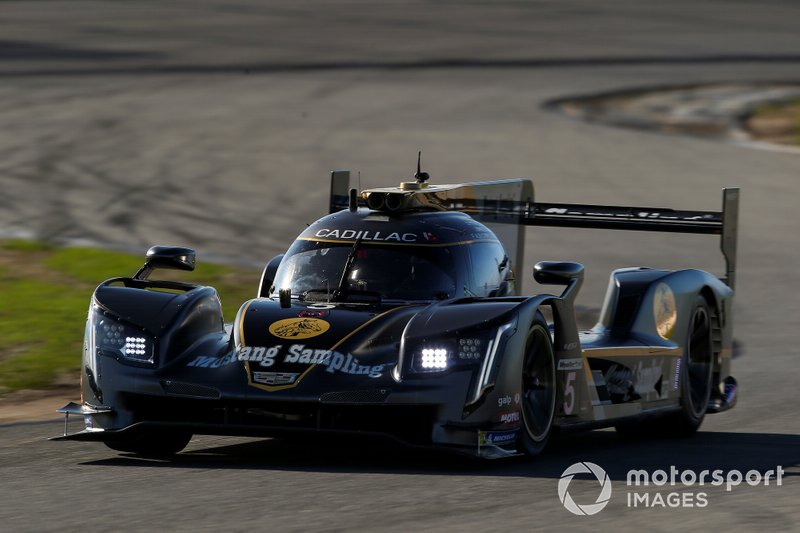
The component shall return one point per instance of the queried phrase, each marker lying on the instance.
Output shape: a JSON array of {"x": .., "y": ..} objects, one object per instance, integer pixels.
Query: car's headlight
[
  {"x": 115, "y": 339},
  {"x": 468, "y": 350},
  {"x": 431, "y": 359}
]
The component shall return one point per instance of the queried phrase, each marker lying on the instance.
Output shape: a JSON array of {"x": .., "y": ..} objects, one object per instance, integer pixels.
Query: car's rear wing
[
  {"x": 723, "y": 223},
  {"x": 499, "y": 204}
]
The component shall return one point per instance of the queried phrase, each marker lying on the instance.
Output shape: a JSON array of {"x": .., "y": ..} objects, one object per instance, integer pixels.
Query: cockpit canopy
[
  {"x": 435, "y": 256},
  {"x": 394, "y": 272}
]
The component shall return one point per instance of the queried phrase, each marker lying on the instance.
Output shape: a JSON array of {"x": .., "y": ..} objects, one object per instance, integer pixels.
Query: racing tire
[
  {"x": 696, "y": 375},
  {"x": 538, "y": 400},
  {"x": 153, "y": 444}
]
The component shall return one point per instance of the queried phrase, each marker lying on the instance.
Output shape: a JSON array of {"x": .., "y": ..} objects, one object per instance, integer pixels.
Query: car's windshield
[{"x": 394, "y": 272}]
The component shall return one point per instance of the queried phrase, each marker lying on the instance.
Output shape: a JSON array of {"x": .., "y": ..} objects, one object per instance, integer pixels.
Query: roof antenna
[{"x": 420, "y": 176}]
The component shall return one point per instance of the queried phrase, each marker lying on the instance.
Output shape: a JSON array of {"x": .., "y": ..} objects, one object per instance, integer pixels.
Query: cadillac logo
[{"x": 275, "y": 378}]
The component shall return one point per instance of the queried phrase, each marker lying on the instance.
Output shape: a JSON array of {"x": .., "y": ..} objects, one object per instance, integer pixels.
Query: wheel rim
[
  {"x": 538, "y": 385},
  {"x": 698, "y": 361}
]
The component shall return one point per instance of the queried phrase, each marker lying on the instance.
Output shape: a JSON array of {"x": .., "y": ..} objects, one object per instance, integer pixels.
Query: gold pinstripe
[{"x": 633, "y": 351}]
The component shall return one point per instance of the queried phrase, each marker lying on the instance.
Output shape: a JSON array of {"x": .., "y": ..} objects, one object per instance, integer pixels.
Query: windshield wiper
[{"x": 351, "y": 257}]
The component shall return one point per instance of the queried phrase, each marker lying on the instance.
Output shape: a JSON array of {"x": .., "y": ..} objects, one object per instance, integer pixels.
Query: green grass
[
  {"x": 92, "y": 265},
  {"x": 44, "y": 299},
  {"x": 23, "y": 245},
  {"x": 788, "y": 112}
]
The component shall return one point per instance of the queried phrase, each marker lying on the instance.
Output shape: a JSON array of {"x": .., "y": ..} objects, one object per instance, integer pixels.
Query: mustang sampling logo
[
  {"x": 584, "y": 468},
  {"x": 298, "y": 328}
]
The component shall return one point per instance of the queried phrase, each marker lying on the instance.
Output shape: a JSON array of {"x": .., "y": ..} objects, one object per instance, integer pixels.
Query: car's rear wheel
[
  {"x": 153, "y": 443},
  {"x": 697, "y": 372},
  {"x": 538, "y": 389},
  {"x": 696, "y": 376}
]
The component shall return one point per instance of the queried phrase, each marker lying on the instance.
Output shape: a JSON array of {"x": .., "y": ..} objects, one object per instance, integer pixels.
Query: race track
[{"x": 215, "y": 124}]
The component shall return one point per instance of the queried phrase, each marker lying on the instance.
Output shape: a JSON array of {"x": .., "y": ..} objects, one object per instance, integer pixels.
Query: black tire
[
  {"x": 152, "y": 443},
  {"x": 697, "y": 373},
  {"x": 538, "y": 389}
]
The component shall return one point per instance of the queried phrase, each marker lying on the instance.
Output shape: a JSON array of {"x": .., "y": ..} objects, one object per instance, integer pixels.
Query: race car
[{"x": 399, "y": 315}]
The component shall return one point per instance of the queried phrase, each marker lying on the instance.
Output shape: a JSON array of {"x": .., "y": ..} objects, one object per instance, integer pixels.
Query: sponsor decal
[
  {"x": 677, "y": 373},
  {"x": 275, "y": 378},
  {"x": 321, "y": 305},
  {"x": 570, "y": 364},
  {"x": 314, "y": 313},
  {"x": 509, "y": 418},
  {"x": 496, "y": 438},
  {"x": 365, "y": 235},
  {"x": 212, "y": 362},
  {"x": 516, "y": 398},
  {"x": 298, "y": 353},
  {"x": 648, "y": 378},
  {"x": 664, "y": 310},
  {"x": 602, "y": 498},
  {"x": 504, "y": 401},
  {"x": 619, "y": 380},
  {"x": 298, "y": 328}
]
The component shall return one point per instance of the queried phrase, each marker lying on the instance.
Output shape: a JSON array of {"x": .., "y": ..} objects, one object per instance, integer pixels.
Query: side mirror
[
  {"x": 167, "y": 257},
  {"x": 268, "y": 276},
  {"x": 560, "y": 273},
  {"x": 557, "y": 272}
]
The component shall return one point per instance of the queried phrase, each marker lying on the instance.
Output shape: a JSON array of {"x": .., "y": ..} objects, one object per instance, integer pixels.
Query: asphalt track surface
[{"x": 214, "y": 125}]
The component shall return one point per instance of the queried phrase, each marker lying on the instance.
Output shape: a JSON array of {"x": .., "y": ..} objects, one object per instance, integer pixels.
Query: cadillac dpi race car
[{"x": 399, "y": 315}]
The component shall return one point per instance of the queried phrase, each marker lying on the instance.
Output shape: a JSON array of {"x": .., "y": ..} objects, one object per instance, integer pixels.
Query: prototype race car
[{"x": 398, "y": 315}]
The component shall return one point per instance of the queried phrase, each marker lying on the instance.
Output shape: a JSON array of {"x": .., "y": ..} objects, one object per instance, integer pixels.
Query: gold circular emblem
[
  {"x": 664, "y": 310},
  {"x": 298, "y": 328}
]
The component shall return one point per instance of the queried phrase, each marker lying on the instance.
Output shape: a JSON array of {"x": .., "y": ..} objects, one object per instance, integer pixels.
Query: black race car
[{"x": 398, "y": 314}]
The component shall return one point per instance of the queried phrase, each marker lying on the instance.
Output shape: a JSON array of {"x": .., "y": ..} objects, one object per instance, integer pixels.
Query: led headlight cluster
[
  {"x": 470, "y": 349},
  {"x": 135, "y": 347},
  {"x": 110, "y": 334},
  {"x": 438, "y": 357},
  {"x": 434, "y": 359},
  {"x": 115, "y": 339}
]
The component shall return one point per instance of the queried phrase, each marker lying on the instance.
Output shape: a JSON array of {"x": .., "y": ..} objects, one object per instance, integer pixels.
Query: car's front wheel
[{"x": 538, "y": 389}]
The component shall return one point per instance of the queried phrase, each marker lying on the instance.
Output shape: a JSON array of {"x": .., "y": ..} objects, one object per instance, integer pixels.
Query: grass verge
[
  {"x": 776, "y": 123},
  {"x": 44, "y": 299}
]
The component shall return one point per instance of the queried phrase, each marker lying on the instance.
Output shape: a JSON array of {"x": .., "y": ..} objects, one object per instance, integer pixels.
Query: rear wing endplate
[{"x": 478, "y": 202}]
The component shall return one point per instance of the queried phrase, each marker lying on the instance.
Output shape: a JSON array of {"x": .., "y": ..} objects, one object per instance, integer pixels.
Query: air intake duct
[
  {"x": 394, "y": 201},
  {"x": 376, "y": 201}
]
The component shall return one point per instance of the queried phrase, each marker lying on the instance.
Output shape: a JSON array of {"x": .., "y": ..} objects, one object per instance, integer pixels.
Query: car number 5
[{"x": 569, "y": 392}]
